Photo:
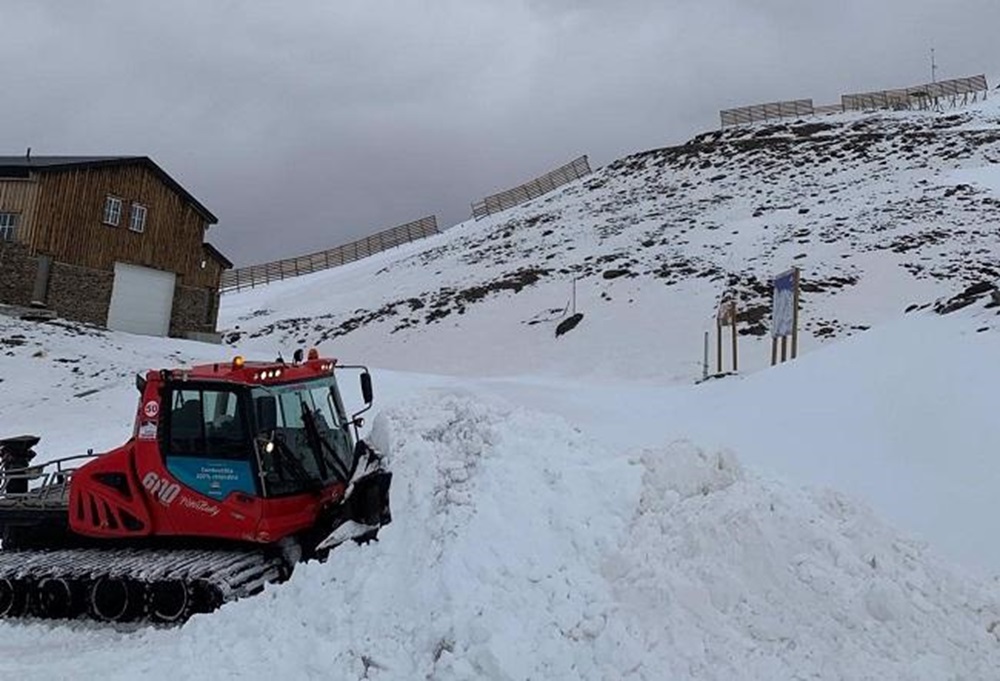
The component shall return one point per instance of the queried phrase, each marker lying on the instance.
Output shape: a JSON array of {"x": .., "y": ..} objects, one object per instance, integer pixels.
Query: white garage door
[{"x": 141, "y": 300}]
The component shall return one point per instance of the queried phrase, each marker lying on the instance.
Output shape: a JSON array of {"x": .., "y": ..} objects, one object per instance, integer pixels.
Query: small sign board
[
  {"x": 783, "y": 309},
  {"x": 726, "y": 316}
]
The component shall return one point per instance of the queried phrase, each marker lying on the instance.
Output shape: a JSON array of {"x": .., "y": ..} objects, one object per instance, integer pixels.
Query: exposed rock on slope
[{"x": 879, "y": 212}]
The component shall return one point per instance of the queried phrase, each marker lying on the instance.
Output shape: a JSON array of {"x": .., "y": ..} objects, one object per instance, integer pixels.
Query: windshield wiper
[
  {"x": 321, "y": 446},
  {"x": 291, "y": 462}
]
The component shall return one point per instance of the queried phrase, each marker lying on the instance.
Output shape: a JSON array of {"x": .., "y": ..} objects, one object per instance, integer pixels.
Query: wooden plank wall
[
  {"x": 211, "y": 275},
  {"x": 20, "y": 196},
  {"x": 259, "y": 275},
  {"x": 69, "y": 224}
]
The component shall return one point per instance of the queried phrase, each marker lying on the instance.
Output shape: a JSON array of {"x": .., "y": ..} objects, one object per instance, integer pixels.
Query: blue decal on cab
[{"x": 215, "y": 478}]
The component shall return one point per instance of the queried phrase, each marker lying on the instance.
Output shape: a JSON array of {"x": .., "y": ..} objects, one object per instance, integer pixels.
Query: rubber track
[{"x": 231, "y": 573}]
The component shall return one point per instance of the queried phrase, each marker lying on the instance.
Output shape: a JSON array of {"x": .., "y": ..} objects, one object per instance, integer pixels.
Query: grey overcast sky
[{"x": 310, "y": 123}]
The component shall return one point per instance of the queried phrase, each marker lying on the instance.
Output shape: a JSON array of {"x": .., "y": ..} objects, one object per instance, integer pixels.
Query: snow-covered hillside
[
  {"x": 547, "y": 528},
  {"x": 881, "y": 212},
  {"x": 577, "y": 508}
]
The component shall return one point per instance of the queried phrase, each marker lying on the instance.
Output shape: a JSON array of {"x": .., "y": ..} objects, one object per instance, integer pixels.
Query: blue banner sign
[
  {"x": 783, "y": 311},
  {"x": 215, "y": 478}
]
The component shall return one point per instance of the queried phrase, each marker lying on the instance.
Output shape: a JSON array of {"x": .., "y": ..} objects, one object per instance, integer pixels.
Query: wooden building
[{"x": 111, "y": 240}]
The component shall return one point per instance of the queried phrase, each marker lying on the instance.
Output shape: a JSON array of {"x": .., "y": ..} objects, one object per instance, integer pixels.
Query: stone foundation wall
[
  {"x": 80, "y": 293},
  {"x": 196, "y": 310},
  {"x": 17, "y": 274},
  {"x": 84, "y": 295}
]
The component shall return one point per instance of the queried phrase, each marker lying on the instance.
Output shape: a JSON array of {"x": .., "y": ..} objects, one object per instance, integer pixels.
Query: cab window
[{"x": 207, "y": 424}]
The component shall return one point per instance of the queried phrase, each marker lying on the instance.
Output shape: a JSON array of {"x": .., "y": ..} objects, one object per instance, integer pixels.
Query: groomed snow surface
[{"x": 528, "y": 545}]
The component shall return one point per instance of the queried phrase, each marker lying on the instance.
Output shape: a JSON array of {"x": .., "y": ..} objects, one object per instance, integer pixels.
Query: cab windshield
[{"x": 308, "y": 428}]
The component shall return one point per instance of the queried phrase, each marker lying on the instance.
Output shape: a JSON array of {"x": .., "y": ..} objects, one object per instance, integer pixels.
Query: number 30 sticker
[{"x": 151, "y": 410}]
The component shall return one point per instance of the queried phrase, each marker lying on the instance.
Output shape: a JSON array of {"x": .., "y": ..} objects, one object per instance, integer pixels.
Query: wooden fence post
[
  {"x": 732, "y": 320},
  {"x": 718, "y": 346}
]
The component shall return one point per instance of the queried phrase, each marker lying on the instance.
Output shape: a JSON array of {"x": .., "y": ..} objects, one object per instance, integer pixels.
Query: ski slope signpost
[
  {"x": 785, "y": 314},
  {"x": 725, "y": 316}
]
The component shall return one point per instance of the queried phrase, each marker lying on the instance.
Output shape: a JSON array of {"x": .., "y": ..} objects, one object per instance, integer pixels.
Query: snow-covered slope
[
  {"x": 521, "y": 550},
  {"x": 881, "y": 212},
  {"x": 554, "y": 529},
  {"x": 577, "y": 508}
]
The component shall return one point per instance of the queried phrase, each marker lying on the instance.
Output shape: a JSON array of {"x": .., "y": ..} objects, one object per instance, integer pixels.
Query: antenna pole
[{"x": 933, "y": 67}]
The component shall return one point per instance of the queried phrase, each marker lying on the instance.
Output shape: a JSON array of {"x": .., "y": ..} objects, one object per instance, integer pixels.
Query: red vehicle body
[{"x": 257, "y": 456}]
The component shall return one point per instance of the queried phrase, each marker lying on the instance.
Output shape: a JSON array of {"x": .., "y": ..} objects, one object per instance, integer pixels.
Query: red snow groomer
[{"x": 234, "y": 473}]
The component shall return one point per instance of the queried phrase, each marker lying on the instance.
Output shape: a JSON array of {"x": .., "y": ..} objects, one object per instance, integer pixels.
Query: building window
[
  {"x": 137, "y": 221},
  {"x": 8, "y": 226},
  {"x": 112, "y": 211}
]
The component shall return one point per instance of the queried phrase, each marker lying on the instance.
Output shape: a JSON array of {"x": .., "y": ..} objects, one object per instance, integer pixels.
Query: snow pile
[
  {"x": 737, "y": 578},
  {"x": 902, "y": 417},
  {"x": 521, "y": 549}
]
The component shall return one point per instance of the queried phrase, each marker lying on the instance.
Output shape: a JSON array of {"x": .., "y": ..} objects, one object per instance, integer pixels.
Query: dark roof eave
[
  {"x": 44, "y": 164},
  {"x": 217, "y": 255}
]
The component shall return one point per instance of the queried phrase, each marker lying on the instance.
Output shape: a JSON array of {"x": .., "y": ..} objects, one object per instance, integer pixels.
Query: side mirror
[
  {"x": 140, "y": 383},
  {"x": 297, "y": 357},
  {"x": 366, "y": 387}
]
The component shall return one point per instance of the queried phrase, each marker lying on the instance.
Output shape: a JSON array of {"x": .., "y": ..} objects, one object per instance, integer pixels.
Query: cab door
[{"x": 205, "y": 482}]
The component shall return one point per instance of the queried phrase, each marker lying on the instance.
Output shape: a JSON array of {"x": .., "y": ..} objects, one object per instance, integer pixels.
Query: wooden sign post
[
  {"x": 718, "y": 345},
  {"x": 726, "y": 316},
  {"x": 736, "y": 365},
  {"x": 795, "y": 315}
]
